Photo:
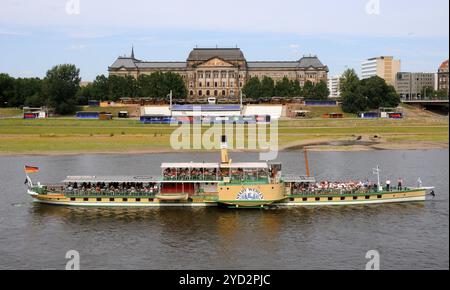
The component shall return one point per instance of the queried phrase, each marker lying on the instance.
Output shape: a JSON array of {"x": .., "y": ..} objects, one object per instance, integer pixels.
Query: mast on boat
[{"x": 305, "y": 153}]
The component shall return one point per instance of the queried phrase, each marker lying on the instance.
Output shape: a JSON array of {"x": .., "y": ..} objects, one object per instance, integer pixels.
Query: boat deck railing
[{"x": 346, "y": 192}]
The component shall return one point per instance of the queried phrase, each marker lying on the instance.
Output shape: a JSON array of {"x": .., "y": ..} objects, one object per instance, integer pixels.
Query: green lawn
[
  {"x": 10, "y": 112},
  {"x": 69, "y": 135}
]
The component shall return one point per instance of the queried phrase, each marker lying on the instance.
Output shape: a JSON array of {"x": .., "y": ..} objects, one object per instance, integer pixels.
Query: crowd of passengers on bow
[
  {"x": 116, "y": 188},
  {"x": 340, "y": 187}
]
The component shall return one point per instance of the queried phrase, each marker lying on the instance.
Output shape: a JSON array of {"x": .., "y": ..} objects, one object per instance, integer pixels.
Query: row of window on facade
[
  {"x": 216, "y": 74},
  {"x": 215, "y": 84},
  {"x": 215, "y": 93}
]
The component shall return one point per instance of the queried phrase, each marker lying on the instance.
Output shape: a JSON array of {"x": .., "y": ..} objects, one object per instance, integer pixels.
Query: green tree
[
  {"x": 309, "y": 92},
  {"x": 175, "y": 83},
  {"x": 321, "y": 91},
  {"x": 85, "y": 94},
  {"x": 24, "y": 88},
  {"x": 267, "y": 87},
  {"x": 122, "y": 87},
  {"x": 441, "y": 94},
  {"x": 283, "y": 88},
  {"x": 378, "y": 93},
  {"x": 100, "y": 88},
  {"x": 296, "y": 89},
  {"x": 253, "y": 88},
  {"x": 36, "y": 100},
  {"x": 61, "y": 85},
  {"x": 146, "y": 86},
  {"x": 6, "y": 89},
  {"x": 353, "y": 101}
]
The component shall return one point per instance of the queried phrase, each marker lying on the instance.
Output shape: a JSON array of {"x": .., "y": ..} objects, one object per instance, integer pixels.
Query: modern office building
[
  {"x": 386, "y": 67},
  {"x": 334, "y": 86},
  {"x": 411, "y": 85},
  {"x": 222, "y": 72}
]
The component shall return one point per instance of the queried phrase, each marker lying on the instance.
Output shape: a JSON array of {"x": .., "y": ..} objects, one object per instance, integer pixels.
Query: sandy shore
[{"x": 318, "y": 145}]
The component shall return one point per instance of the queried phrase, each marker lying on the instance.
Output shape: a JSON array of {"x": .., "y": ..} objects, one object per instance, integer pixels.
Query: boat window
[
  {"x": 99, "y": 199},
  {"x": 112, "y": 199},
  {"x": 380, "y": 196},
  {"x": 355, "y": 198}
]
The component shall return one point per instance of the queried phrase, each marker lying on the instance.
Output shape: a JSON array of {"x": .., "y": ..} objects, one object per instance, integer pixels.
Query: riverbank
[{"x": 68, "y": 136}]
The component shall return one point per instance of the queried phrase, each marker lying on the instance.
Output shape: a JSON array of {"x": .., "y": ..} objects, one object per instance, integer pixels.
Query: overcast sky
[{"x": 37, "y": 34}]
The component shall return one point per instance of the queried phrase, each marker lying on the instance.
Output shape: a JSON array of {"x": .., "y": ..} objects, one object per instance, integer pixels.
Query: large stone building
[
  {"x": 443, "y": 77},
  {"x": 222, "y": 72},
  {"x": 386, "y": 67}
]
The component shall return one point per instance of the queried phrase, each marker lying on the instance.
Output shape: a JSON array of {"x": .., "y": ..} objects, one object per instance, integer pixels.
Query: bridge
[
  {"x": 426, "y": 102},
  {"x": 437, "y": 105}
]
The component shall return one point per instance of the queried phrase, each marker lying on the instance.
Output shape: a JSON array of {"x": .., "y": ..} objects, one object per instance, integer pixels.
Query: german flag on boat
[{"x": 31, "y": 169}]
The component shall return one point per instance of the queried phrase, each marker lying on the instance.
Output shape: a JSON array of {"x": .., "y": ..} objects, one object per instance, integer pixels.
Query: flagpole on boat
[
  {"x": 29, "y": 181},
  {"x": 377, "y": 171}
]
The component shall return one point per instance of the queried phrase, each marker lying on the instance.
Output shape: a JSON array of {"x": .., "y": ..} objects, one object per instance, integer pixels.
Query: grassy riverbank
[{"x": 71, "y": 136}]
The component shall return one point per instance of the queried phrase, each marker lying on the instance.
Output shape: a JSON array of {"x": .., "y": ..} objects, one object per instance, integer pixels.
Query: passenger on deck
[{"x": 400, "y": 184}]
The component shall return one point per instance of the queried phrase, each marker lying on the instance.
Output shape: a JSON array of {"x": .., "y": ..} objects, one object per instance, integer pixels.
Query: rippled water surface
[{"x": 408, "y": 236}]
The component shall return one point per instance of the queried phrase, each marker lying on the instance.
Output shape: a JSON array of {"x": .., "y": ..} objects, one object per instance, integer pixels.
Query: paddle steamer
[{"x": 228, "y": 183}]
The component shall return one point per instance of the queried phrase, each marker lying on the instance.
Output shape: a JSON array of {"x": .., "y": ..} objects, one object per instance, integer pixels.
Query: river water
[{"x": 407, "y": 236}]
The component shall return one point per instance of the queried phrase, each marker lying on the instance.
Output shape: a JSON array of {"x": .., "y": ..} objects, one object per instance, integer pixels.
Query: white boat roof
[
  {"x": 190, "y": 165},
  {"x": 109, "y": 179},
  {"x": 253, "y": 165}
]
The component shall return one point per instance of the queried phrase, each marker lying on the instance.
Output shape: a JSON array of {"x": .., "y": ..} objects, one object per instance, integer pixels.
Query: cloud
[
  {"x": 301, "y": 17},
  {"x": 4, "y": 31}
]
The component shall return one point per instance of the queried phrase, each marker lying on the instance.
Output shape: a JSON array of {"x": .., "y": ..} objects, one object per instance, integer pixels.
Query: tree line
[
  {"x": 267, "y": 88},
  {"x": 156, "y": 85},
  {"x": 60, "y": 89},
  {"x": 367, "y": 94}
]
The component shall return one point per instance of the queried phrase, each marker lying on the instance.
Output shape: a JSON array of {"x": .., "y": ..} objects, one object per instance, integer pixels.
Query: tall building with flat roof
[
  {"x": 222, "y": 72},
  {"x": 386, "y": 67},
  {"x": 410, "y": 85},
  {"x": 334, "y": 84}
]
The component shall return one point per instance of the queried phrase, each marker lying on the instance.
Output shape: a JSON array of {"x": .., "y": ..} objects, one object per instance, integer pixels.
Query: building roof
[
  {"x": 227, "y": 54},
  {"x": 204, "y": 54},
  {"x": 126, "y": 62},
  {"x": 161, "y": 64},
  {"x": 310, "y": 61},
  {"x": 444, "y": 66},
  {"x": 272, "y": 64},
  {"x": 304, "y": 62}
]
